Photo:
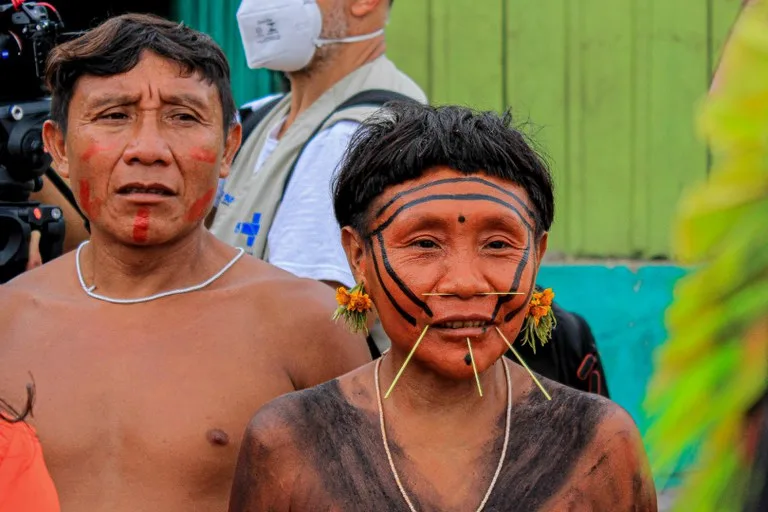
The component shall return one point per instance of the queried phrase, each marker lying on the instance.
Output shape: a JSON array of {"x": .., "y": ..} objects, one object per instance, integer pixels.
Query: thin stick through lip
[
  {"x": 483, "y": 293},
  {"x": 523, "y": 363},
  {"x": 474, "y": 367},
  {"x": 405, "y": 363}
]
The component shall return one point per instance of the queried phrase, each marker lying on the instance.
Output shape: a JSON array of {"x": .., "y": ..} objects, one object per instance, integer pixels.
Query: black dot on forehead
[{"x": 462, "y": 218}]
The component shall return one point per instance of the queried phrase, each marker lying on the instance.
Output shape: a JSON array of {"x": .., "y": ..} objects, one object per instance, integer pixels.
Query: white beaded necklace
[
  {"x": 389, "y": 454},
  {"x": 89, "y": 290}
]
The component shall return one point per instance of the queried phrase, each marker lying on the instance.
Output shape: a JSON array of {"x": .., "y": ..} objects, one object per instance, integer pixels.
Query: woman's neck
[{"x": 422, "y": 392}]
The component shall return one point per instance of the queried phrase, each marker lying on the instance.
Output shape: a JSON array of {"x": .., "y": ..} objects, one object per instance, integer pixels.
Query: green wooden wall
[
  {"x": 217, "y": 19},
  {"x": 608, "y": 88}
]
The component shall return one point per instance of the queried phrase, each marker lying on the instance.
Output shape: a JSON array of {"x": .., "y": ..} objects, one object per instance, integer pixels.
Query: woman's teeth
[{"x": 460, "y": 325}]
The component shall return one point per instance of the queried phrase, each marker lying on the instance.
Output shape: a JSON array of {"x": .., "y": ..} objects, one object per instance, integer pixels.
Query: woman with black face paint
[{"x": 445, "y": 215}]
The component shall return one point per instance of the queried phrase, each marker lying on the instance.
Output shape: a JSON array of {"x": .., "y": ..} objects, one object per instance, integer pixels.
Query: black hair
[
  {"x": 115, "y": 46},
  {"x": 405, "y": 139},
  {"x": 9, "y": 414}
]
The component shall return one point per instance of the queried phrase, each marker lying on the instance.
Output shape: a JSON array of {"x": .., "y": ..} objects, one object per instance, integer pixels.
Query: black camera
[{"x": 27, "y": 35}]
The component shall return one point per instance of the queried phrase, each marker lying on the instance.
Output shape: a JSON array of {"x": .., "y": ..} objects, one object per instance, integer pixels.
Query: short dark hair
[
  {"x": 115, "y": 46},
  {"x": 405, "y": 139}
]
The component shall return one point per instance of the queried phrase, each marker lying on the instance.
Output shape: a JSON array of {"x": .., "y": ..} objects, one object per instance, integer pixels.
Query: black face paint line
[
  {"x": 457, "y": 180},
  {"x": 503, "y": 299},
  {"x": 378, "y": 232},
  {"x": 408, "y": 318},
  {"x": 509, "y": 316},
  {"x": 399, "y": 282},
  {"x": 449, "y": 197}
]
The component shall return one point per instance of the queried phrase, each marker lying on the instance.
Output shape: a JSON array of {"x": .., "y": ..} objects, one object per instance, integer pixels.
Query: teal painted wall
[{"x": 625, "y": 309}]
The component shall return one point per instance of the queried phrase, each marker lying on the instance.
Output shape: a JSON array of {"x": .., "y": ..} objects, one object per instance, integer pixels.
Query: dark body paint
[{"x": 341, "y": 446}]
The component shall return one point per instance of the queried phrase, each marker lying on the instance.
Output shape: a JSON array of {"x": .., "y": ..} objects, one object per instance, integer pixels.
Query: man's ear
[
  {"x": 231, "y": 145},
  {"x": 362, "y": 8},
  {"x": 55, "y": 145},
  {"x": 354, "y": 247}
]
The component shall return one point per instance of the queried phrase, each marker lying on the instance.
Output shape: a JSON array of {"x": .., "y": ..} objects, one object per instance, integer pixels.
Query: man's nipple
[{"x": 217, "y": 437}]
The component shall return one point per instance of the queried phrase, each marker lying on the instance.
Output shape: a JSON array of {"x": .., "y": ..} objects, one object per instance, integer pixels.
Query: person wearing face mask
[{"x": 276, "y": 204}]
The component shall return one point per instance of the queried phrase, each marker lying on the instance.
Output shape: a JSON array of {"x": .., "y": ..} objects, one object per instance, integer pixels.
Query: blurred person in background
[
  {"x": 25, "y": 484},
  {"x": 276, "y": 202}
]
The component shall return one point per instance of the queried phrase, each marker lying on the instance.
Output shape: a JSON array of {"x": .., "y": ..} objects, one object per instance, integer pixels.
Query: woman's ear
[
  {"x": 541, "y": 247},
  {"x": 354, "y": 247}
]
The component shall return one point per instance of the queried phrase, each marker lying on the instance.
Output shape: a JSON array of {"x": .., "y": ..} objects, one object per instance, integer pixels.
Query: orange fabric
[{"x": 25, "y": 484}]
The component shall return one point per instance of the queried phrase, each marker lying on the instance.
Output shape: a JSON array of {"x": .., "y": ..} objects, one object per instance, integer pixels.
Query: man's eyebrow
[
  {"x": 186, "y": 99},
  {"x": 112, "y": 100}
]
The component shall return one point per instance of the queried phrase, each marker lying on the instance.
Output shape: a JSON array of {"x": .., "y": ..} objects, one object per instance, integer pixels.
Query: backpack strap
[
  {"x": 370, "y": 97},
  {"x": 250, "y": 118}
]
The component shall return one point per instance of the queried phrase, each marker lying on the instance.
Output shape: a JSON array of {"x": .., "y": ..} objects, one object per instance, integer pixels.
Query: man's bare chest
[{"x": 143, "y": 387}]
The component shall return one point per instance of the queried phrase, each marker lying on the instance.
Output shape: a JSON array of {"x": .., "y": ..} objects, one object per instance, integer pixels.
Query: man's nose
[{"x": 148, "y": 146}]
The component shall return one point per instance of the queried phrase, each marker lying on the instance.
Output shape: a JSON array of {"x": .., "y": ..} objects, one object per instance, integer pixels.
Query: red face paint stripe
[
  {"x": 91, "y": 150},
  {"x": 91, "y": 205},
  {"x": 198, "y": 208},
  {"x": 141, "y": 225},
  {"x": 85, "y": 196},
  {"x": 203, "y": 155}
]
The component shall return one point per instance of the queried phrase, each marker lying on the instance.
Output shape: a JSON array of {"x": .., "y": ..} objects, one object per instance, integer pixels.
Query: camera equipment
[{"x": 27, "y": 35}]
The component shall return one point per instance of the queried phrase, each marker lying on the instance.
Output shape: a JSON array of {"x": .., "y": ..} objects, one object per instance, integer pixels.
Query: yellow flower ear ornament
[
  {"x": 540, "y": 320},
  {"x": 354, "y": 305}
]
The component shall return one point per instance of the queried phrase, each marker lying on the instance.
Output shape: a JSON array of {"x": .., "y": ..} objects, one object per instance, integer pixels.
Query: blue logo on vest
[
  {"x": 228, "y": 199},
  {"x": 249, "y": 229}
]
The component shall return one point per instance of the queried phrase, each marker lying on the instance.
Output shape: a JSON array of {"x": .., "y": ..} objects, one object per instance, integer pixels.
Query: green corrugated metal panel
[
  {"x": 217, "y": 19},
  {"x": 610, "y": 89},
  {"x": 542, "y": 101}
]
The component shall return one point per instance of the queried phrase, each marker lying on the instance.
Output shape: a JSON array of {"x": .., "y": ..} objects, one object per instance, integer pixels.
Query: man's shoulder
[
  {"x": 282, "y": 288},
  {"x": 281, "y": 294},
  {"x": 54, "y": 278},
  {"x": 289, "y": 418},
  {"x": 403, "y": 83}
]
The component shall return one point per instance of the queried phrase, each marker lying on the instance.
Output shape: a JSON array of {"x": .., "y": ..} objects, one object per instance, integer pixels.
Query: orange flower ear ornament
[
  {"x": 540, "y": 320},
  {"x": 354, "y": 305}
]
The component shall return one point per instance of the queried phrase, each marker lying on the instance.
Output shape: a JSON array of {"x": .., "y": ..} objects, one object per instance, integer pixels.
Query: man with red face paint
[
  {"x": 152, "y": 345},
  {"x": 445, "y": 215}
]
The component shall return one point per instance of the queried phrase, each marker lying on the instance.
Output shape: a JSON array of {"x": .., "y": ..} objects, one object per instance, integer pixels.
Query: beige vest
[{"x": 250, "y": 200}]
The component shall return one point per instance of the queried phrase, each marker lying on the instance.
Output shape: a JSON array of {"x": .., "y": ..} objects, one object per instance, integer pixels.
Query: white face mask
[{"x": 283, "y": 35}]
